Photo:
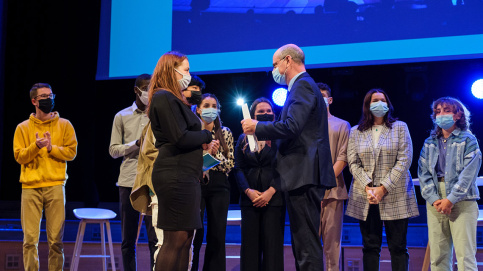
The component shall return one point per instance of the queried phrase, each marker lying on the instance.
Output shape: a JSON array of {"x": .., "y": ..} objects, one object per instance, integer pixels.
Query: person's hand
[
  {"x": 206, "y": 146},
  {"x": 436, "y": 203},
  {"x": 379, "y": 192},
  {"x": 249, "y": 126},
  {"x": 252, "y": 194},
  {"x": 371, "y": 196},
  {"x": 41, "y": 142},
  {"x": 215, "y": 145},
  {"x": 49, "y": 141},
  {"x": 443, "y": 206},
  {"x": 264, "y": 198}
]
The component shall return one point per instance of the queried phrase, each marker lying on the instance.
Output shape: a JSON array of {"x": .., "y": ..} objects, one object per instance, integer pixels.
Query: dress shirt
[{"x": 126, "y": 129}]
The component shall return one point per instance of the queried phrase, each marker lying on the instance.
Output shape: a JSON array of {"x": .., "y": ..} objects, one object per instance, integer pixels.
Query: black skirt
[{"x": 178, "y": 200}]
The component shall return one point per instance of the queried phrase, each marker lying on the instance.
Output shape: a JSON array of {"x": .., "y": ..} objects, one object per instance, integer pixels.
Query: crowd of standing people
[{"x": 296, "y": 169}]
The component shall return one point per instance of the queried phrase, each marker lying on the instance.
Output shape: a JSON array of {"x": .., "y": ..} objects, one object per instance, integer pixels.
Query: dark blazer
[
  {"x": 301, "y": 133},
  {"x": 255, "y": 171}
]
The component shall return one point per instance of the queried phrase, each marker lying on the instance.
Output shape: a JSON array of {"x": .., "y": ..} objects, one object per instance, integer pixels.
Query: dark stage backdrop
[{"x": 55, "y": 42}]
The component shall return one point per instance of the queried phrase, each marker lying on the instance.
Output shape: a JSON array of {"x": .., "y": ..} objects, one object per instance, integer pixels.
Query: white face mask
[
  {"x": 326, "y": 101},
  {"x": 144, "y": 97},
  {"x": 185, "y": 81}
]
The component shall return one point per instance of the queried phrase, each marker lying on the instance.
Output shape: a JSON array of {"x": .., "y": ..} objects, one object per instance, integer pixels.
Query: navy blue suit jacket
[{"x": 301, "y": 134}]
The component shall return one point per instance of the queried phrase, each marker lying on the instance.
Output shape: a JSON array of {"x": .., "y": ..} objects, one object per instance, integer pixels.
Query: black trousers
[
  {"x": 129, "y": 230},
  {"x": 396, "y": 231},
  {"x": 262, "y": 238},
  {"x": 303, "y": 207},
  {"x": 215, "y": 198}
]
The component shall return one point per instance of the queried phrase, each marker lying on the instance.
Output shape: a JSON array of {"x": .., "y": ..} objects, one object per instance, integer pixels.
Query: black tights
[{"x": 174, "y": 253}]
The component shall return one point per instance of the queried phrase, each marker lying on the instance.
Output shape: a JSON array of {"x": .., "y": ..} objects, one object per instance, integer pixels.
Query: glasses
[
  {"x": 276, "y": 63},
  {"x": 45, "y": 96}
]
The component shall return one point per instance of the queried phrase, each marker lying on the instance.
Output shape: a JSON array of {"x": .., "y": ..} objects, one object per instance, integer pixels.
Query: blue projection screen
[{"x": 224, "y": 36}]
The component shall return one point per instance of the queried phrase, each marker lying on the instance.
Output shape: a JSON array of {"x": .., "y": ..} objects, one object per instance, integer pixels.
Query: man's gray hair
[{"x": 294, "y": 52}]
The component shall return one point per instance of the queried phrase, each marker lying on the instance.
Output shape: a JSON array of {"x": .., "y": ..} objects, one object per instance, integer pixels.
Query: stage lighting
[
  {"x": 240, "y": 101},
  {"x": 477, "y": 89},
  {"x": 279, "y": 96}
]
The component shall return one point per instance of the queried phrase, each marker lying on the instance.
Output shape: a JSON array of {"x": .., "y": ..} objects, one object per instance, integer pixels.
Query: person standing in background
[
  {"x": 379, "y": 155},
  {"x": 42, "y": 145},
  {"x": 215, "y": 187},
  {"x": 126, "y": 131},
  {"x": 332, "y": 212},
  {"x": 448, "y": 166},
  {"x": 261, "y": 202}
]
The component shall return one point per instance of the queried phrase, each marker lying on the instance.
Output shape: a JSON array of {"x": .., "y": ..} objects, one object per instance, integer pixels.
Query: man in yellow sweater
[{"x": 42, "y": 145}]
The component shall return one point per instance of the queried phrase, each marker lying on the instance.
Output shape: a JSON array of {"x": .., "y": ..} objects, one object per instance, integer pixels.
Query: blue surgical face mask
[
  {"x": 444, "y": 121},
  {"x": 279, "y": 78},
  {"x": 379, "y": 109},
  {"x": 209, "y": 114}
]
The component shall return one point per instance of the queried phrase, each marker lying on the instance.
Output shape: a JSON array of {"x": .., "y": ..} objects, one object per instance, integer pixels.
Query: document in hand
[{"x": 209, "y": 161}]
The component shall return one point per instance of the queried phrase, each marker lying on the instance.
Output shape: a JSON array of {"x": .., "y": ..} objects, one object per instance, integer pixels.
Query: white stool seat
[
  {"x": 94, "y": 213},
  {"x": 480, "y": 218},
  {"x": 234, "y": 217}
]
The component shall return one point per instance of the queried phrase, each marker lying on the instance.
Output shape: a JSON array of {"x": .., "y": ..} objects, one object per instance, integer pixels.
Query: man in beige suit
[{"x": 331, "y": 214}]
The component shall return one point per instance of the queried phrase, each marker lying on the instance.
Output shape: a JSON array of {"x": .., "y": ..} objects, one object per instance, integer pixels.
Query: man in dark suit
[{"x": 303, "y": 163}]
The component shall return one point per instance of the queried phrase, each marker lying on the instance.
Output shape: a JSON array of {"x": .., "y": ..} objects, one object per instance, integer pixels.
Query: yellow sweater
[{"x": 39, "y": 168}]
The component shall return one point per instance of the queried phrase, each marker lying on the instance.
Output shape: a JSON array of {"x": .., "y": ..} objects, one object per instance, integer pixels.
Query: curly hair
[{"x": 457, "y": 107}]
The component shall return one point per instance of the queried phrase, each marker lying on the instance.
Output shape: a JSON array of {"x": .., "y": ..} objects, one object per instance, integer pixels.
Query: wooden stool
[{"x": 93, "y": 215}]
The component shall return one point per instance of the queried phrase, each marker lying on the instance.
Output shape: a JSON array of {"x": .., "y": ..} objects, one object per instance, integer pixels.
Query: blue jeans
[{"x": 396, "y": 231}]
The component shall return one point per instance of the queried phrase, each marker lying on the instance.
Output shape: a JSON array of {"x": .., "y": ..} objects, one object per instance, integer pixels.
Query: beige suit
[
  {"x": 332, "y": 209},
  {"x": 140, "y": 198}
]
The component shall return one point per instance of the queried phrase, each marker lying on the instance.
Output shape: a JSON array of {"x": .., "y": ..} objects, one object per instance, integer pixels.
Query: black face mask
[
  {"x": 195, "y": 97},
  {"x": 265, "y": 117},
  {"x": 46, "y": 105}
]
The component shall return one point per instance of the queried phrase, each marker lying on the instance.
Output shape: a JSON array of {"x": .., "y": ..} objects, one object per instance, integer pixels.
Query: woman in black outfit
[
  {"x": 261, "y": 202},
  {"x": 177, "y": 169}
]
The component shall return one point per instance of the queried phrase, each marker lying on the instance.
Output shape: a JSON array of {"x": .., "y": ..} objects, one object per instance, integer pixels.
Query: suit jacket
[
  {"x": 388, "y": 164},
  {"x": 254, "y": 170},
  {"x": 301, "y": 134}
]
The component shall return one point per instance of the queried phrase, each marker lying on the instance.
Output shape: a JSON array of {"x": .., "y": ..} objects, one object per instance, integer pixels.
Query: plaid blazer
[{"x": 388, "y": 164}]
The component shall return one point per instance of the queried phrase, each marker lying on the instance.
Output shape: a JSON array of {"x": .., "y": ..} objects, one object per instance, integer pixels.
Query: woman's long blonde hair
[{"x": 164, "y": 76}]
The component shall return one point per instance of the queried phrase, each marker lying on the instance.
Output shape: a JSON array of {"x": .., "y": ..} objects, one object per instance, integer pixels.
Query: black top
[
  {"x": 178, "y": 133},
  {"x": 254, "y": 170}
]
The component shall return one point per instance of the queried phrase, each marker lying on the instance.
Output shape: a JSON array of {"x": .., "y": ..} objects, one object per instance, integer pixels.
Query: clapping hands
[{"x": 44, "y": 142}]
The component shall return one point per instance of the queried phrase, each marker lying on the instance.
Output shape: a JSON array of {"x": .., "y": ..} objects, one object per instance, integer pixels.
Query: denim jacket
[{"x": 463, "y": 161}]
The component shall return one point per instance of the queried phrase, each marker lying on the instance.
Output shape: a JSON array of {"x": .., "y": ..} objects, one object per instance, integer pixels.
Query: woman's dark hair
[
  {"x": 457, "y": 107},
  {"x": 253, "y": 108},
  {"x": 218, "y": 124},
  {"x": 196, "y": 81},
  {"x": 367, "y": 119}
]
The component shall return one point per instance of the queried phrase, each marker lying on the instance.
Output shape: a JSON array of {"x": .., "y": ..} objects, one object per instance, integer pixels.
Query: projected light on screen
[
  {"x": 477, "y": 89},
  {"x": 279, "y": 96}
]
